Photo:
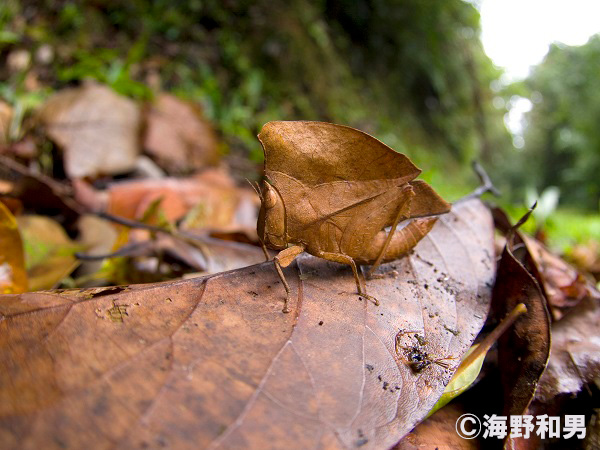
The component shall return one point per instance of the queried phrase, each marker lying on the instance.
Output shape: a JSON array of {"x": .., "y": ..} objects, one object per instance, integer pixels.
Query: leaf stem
[{"x": 489, "y": 340}]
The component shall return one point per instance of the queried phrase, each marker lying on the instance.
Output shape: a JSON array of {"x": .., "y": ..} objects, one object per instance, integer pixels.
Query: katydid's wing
[
  {"x": 333, "y": 215},
  {"x": 340, "y": 186},
  {"x": 369, "y": 219},
  {"x": 317, "y": 152},
  {"x": 426, "y": 201}
]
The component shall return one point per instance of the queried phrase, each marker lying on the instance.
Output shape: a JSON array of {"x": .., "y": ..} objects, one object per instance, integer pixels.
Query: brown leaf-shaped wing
[
  {"x": 318, "y": 152},
  {"x": 426, "y": 201},
  {"x": 340, "y": 216},
  {"x": 213, "y": 363}
]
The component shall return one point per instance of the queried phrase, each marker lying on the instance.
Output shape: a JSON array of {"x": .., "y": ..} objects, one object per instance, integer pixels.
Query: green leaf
[
  {"x": 463, "y": 378},
  {"x": 49, "y": 253}
]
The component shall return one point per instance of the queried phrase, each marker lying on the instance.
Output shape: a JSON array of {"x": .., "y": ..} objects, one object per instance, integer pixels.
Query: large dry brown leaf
[
  {"x": 179, "y": 136},
  {"x": 97, "y": 129},
  {"x": 210, "y": 255},
  {"x": 524, "y": 350},
  {"x": 213, "y": 363}
]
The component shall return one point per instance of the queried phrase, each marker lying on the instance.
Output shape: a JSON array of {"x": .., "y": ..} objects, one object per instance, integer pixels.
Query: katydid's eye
[{"x": 270, "y": 196}]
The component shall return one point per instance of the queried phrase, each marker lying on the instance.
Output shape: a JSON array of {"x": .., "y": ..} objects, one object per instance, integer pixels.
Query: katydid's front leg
[
  {"x": 264, "y": 249},
  {"x": 283, "y": 259},
  {"x": 345, "y": 259},
  {"x": 403, "y": 213}
]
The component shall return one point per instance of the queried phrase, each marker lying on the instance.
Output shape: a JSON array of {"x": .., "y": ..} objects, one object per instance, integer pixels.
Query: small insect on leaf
[
  {"x": 332, "y": 191},
  {"x": 417, "y": 358}
]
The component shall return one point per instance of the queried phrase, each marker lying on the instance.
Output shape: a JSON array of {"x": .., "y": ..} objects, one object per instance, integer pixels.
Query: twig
[
  {"x": 131, "y": 223},
  {"x": 485, "y": 186},
  {"x": 126, "y": 250},
  {"x": 187, "y": 238}
]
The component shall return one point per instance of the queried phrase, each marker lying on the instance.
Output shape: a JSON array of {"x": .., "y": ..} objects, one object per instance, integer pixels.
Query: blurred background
[{"x": 413, "y": 73}]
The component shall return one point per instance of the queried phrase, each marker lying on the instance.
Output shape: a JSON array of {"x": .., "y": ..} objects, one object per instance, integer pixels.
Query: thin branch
[
  {"x": 126, "y": 250},
  {"x": 186, "y": 237},
  {"x": 486, "y": 184}
]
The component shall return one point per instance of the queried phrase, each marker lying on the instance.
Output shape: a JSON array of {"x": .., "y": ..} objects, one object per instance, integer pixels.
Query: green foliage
[
  {"x": 384, "y": 67},
  {"x": 106, "y": 66},
  {"x": 380, "y": 66},
  {"x": 8, "y": 11},
  {"x": 562, "y": 140},
  {"x": 564, "y": 228}
]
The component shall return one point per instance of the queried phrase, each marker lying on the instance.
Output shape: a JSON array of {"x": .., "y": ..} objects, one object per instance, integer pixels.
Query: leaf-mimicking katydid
[{"x": 332, "y": 191}]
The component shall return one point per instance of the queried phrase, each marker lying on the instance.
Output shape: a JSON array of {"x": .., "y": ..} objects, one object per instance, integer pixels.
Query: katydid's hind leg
[
  {"x": 345, "y": 259},
  {"x": 283, "y": 259},
  {"x": 403, "y": 213}
]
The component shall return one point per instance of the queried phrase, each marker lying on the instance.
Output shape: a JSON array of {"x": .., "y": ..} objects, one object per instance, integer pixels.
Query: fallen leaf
[
  {"x": 212, "y": 362},
  {"x": 13, "y": 277},
  {"x": 97, "y": 129},
  {"x": 165, "y": 256},
  {"x": 575, "y": 352},
  {"x": 210, "y": 197},
  {"x": 564, "y": 286},
  {"x": 524, "y": 350},
  {"x": 24, "y": 149},
  {"x": 178, "y": 135},
  {"x": 211, "y": 255},
  {"x": 573, "y": 365},
  {"x": 88, "y": 196},
  {"x": 586, "y": 256},
  {"x": 49, "y": 251}
]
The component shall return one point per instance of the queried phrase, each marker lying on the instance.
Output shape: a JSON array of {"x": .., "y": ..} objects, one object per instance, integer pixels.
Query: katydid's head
[{"x": 271, "y": 218}]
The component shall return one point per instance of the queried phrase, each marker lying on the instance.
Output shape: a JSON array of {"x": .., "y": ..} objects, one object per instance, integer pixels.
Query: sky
[{"x": 516, "y": 35}]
